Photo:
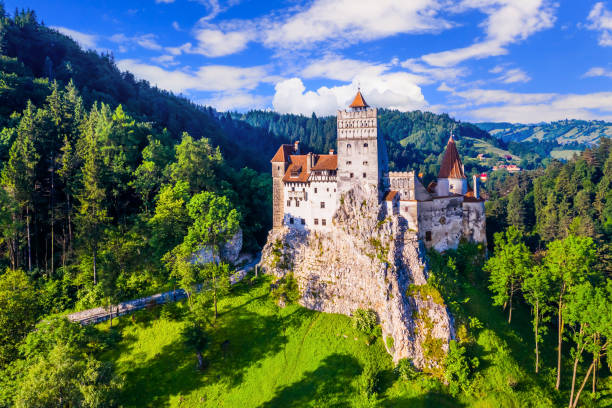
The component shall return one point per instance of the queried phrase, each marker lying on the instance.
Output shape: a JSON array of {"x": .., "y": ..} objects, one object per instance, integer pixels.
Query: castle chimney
[
  {"x": 309, "y": 162},
  {"x": 476, "y": 187},
  {"x": 331, "y": 151},
  {"x": 296, "y": 147}
]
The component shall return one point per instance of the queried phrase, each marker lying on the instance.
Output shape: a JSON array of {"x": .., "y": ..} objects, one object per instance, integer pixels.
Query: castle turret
[
  {"x": 451, "y": 178},
  {"x": 362, "y": 155},
  {"x": 280, "y": 162}
]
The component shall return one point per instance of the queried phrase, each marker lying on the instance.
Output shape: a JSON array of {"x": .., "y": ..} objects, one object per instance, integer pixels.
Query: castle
[{"x": 307, "y": 188}]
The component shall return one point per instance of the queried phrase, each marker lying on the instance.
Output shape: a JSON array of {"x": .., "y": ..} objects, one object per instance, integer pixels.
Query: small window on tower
[
  {"x": 365, "y": 163},
  {"x": 277, "y": 167},
  {"x": 316, "y": 221},
  {"x": 351, "y": 175},
  {"x": 322, "y": 204},
  {"x": 348, "y": 163},
  {"x": 427, "y": 235},
  {"x": 297, "y": 203},
  {"x": 323, "y": 222},
  {"x": 365, "y": 145},
  {"x": 288, "y": 203},
  {"x": 364, "y": 175},
  {"x": 348, "y": 146},
  {"x": 315, "y": 190}
]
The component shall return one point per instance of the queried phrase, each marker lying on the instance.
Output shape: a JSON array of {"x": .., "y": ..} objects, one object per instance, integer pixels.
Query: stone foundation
[{"x": 366, "y": 262}]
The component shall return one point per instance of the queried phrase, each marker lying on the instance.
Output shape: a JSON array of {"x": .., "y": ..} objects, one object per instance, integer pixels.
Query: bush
[
  {"x": 365, "y": 320},
  {"x": 405, "y": 371},
  {"x": 171, "y": 311},
  {"x": 458, "y": 370},
  {"x": 287, "y": 289},
  {"x": 370, "y": 380},
  {"x": 390, "y": 342}
]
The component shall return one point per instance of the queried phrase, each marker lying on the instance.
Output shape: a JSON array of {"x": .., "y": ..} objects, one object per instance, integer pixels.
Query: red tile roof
[
  {"x": 390, "y": 195},
  {"x": 451, "y": 162},
  {"x": 282, "y": 154},
  {"x": 358, "y": 102},
  {"x": 297, "y": 170}
]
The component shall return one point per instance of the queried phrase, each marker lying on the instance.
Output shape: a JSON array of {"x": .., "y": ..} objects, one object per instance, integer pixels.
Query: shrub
[
  {"x": 390, "y": 342},
  {"x": 369, "y": 380},
  {"x": 364, "y": 320},
  {"x": 405, "y": 371},
  {"x": 457, "y": 372},
  {"x": 171, "y": 311},
  {"x": 287, "y": 289}
]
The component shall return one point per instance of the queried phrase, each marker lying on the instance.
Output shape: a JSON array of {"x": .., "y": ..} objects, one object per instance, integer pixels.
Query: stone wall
[{"x": 366, "y": 262}]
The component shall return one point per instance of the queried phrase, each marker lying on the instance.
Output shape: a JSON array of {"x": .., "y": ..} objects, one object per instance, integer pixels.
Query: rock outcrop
[{"x": 368, "y": 260}]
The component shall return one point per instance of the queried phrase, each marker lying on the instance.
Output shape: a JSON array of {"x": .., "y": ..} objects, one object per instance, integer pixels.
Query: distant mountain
[{"x": 580, "y": 133}]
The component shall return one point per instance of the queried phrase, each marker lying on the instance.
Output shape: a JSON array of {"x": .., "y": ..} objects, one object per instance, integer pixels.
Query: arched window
[{"x": 365, "y": 145}]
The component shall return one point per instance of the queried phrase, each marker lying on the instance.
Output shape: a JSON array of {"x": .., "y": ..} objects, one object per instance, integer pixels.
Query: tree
[
  {"x": 214, "y": 223},
  {"x": 537, "y": 291},
  {"x": 589, "y": 314},
  {"x": 19, "y": 173},
  {"x": 568, "y": 261},
  {"x": 507, "y": 267},
  {"x": 92, "y": 214},
  {"x": 196, "y": 161},
  {"x": 19, "y": 311},
  {"x": 63, "y": 378}
]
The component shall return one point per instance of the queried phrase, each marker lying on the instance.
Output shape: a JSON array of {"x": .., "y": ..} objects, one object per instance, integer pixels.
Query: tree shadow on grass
[
  {"x": 330, "y": 385},
  {"x": 150, "y": 383},
  {"x": 431, "y": 399}
]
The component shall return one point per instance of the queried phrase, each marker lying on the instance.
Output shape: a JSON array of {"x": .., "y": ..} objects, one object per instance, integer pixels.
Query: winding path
[{"x": 101, "y": 314}]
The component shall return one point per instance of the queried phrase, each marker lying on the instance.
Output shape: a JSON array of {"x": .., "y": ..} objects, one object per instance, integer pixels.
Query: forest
[{"x": 108, "y": 186}]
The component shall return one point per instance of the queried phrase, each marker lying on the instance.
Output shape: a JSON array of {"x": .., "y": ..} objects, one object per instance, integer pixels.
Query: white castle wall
[{"x": 303, "y": 202}]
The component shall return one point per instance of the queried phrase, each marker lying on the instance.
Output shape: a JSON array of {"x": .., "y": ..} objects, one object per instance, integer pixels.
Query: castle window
[
  {"x": 292, "y": 188},
  {"x": 290, "y": 220},
  {"x": 348, "y": 146},
  {"x": 427, "y": 235},
  {"x": 351, "y": 175},
  {"x": 365, "y": 163},
  {"x": 323, "y": 222},
  {"x": 277, "y": 167},
  {"x": 322, "y": 204},
  {"x": 328, "y": 190},
  {"x": 303, "y": 221},
  {"x": 364, "y": 175},
  {"x": 288, "y": 203},
  {"x": 365, "y": 145},
  {"x": 316, "y": 221},
  {"x": 348, "y": 163},
  {"x": 297, "y": 203},
  {"x": 315, "y": 190}
]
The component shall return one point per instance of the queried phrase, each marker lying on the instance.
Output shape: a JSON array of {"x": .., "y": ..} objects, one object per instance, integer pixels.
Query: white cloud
[
  {"x": 176, "y": 26},
  {"x": 350, "y": 21},
  {"x": 164, "y": 1},
  {"x": 501, "y": 105},
  {"x": 600, "y": 20},
  {"x": 514, "y": 75},
  {"x": 508, "y": 21},
  {"x": 435, "y": 73},
  {"x": 342, "y": 69},
  {"x": 236, "y": 101},
  {"x": 393, "y": 90},
  {"x": 216, "y": 43},
  {"x": 84, "y": 40},
  {"x": 598, "y": 72},
  {"x": 214, "y": 78},
  {"x": 147, "y": 41}
]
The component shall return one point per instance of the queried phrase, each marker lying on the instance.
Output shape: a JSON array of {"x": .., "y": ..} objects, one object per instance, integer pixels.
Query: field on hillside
[{"x": 266, "y": 356}]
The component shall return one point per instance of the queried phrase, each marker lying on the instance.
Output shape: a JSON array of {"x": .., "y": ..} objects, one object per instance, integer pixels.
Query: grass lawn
[{"x": 265, "y": 356}]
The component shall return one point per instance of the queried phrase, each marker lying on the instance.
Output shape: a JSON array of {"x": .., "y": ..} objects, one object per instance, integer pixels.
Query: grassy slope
[{"x": 295, "y": 357}]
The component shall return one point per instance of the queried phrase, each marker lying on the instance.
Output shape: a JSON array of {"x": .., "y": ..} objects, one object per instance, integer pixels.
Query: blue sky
[{"x": 478, "y": 60}]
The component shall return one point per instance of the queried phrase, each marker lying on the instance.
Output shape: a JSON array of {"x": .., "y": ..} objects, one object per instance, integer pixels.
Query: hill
[{"x": 565, "y": 132}]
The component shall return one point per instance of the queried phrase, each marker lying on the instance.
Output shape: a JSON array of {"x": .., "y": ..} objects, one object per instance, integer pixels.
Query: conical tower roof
[
  {"x": 358, "y": 102},
  {"x": 451, "y": 163}
]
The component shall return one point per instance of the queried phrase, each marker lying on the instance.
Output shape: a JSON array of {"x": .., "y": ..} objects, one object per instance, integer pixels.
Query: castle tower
[
  {"x": 362, "y": 155},
  {"x": 280, "y": 162},
  {"x": 451, "y": 178}
]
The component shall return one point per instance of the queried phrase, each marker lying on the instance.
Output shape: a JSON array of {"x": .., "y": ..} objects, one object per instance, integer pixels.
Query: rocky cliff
[{"x": 371, "y": 261}]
